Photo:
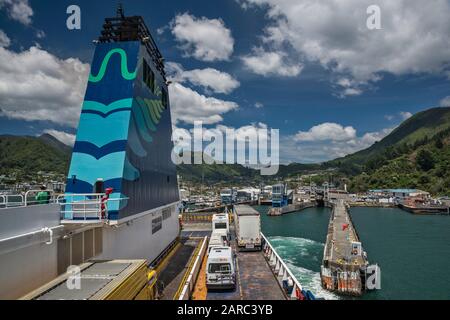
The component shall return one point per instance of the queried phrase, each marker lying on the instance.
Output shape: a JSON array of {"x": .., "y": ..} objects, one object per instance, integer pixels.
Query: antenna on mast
[{"x": 120, "y": 13}]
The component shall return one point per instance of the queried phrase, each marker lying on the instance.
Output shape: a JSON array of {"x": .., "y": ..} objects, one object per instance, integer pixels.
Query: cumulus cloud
[
  {"x": 405, "y": 115},
  {"x": 189, "y": 106},
  {"x": 259, "y": 105},
  {"x": 40, "y": 34},
  {"x": 327, "y": 131},
  {"x": 4, "y": 39},
  {"x": 209, "y": 78},
  {"x": 18, "y": 10},
  {"x": 271, "y": 63},
  {"x": 325, "y": 142},
  {"x": 36, "y": 85},
  {"x": 414, "y": 37},
  {"x": 202, "y": 38},
  {"x": 64, "y": 137},
  {"x": 445, "y": 102}
]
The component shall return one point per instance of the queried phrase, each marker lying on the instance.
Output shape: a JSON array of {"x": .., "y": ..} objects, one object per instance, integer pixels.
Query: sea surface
[{"x": 412, "y": 251}]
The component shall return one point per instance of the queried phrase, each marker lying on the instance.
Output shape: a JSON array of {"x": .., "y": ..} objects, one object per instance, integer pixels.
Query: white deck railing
[
  {"x": 25, "y": 200},
  {"x": 281, "y": 270},
  {"x": 85, "y": 207}
]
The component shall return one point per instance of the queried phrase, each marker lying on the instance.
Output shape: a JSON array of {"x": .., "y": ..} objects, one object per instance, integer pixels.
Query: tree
[
  {"x": 425, "y": 160},
  {"x": 439, "y": 144}
]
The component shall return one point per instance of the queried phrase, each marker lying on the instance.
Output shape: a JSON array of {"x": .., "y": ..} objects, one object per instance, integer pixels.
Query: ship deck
[
  {"x": 255, "y": 279},
  {"x": 171, "y": 275}
]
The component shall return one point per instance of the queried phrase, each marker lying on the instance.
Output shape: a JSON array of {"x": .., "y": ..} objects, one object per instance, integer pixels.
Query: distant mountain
[
  {"x": 418, "y": 129},
  {"x": 28, "y": 155},
  {"x": 55, "y": 143},
  {"x": 416, "y": 154},
  {"x": 215, "y": 173}
]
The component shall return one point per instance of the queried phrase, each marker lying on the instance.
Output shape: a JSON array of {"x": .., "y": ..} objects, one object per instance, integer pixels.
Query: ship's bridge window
[{"x": 148, "y": 77}]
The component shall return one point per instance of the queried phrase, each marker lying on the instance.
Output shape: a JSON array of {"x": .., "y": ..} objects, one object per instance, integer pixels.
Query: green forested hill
[
  {"x": 424, "y": 165},
  {"x": 417, "y": 130},
  {"x": 415, "y": 155},
  {"x": 29, "y": 155}
]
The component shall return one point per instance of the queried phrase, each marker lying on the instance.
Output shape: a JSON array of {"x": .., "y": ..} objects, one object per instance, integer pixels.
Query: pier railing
[{"x": 285, "y": 277}]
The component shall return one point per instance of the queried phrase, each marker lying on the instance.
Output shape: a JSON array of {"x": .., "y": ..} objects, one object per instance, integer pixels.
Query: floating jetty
[
  {"x": 291, "y": 208},
  {"x": 344, "y": 262}
]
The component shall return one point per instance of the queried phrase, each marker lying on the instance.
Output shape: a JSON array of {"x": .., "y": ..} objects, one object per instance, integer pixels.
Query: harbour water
[{"x": 412, "y": 251}]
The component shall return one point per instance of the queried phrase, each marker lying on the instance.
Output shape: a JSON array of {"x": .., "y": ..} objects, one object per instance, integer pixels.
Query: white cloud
[
  {"x": 64, "y": 137},
  {"x": 209, "y": 78},
  {"x": 445, "y": 102},
  {"x": 259, "y": 105},
  {"x": 326, "y": 142},
  {"x": 202, "y": 38},
  {"x": 327, "y": 131},
  {"x": 18, "y": 10},
  {"x": 405, "y": 115},
  {"x": 189, "y": 106},
  {"x": 40, "y": 34},
  {"x": 271, "y": 63},
  {"x": 4, "y": 39},
  {"x": 36, "y": 85},
  {"x": 414, "y": 36}
]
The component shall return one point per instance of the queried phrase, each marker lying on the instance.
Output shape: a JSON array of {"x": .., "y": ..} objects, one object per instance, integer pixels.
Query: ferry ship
[{"x": 122, "y": 194}]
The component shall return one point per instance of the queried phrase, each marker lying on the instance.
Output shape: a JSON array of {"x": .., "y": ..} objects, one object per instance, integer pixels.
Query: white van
[
  {"x": 221, "y": 222},
  {"x": 218, "y": 239},
  {"x": 220, "y": 269}
]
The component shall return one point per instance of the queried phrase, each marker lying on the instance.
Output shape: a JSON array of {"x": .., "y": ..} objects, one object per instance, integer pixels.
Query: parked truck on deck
[{"x": 248, "y": 228}]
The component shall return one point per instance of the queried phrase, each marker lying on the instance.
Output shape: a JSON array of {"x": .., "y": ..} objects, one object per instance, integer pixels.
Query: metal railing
[
  {"x": 7, "y": 202},
  {"x": 86, "y": 206},
  {"x": 32, "y": 194},
  {"x": 25, "y": 200},
  {"x": 285, "y": 277}
]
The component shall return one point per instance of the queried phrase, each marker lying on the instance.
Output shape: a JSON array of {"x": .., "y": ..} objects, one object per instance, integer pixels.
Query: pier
[
  {"x": 291, "y": 208},
  {"x": 343, "y": 259}
]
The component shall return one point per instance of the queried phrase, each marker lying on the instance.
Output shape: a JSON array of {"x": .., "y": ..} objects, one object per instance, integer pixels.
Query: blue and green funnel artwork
[{"x": 124, "y": 134}]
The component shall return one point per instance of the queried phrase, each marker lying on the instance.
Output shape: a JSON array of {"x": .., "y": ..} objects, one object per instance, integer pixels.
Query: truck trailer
[{"x": 248, "y": 228}]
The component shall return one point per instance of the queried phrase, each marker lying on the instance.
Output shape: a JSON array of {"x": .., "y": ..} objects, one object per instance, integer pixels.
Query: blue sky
[{"x": 309, "y": 68}]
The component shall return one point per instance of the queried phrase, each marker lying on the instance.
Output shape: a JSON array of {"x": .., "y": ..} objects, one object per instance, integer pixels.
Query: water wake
[{"x": 303, "y": 257}]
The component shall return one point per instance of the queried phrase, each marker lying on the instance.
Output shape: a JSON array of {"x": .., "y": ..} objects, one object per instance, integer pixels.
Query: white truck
[
  {"x": 248, "y": 228},
  {"x": 220, "y": 269}
]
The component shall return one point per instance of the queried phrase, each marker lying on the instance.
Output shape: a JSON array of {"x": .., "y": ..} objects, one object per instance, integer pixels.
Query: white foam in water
[{"x": 293, "y": 249}]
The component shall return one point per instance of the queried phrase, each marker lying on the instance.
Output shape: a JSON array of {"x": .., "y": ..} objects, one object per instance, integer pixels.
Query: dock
[
  {"x": 291, "y": 208},
  {"x": 426, "y": 209},
  {"x": 343, "y": 255}
]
